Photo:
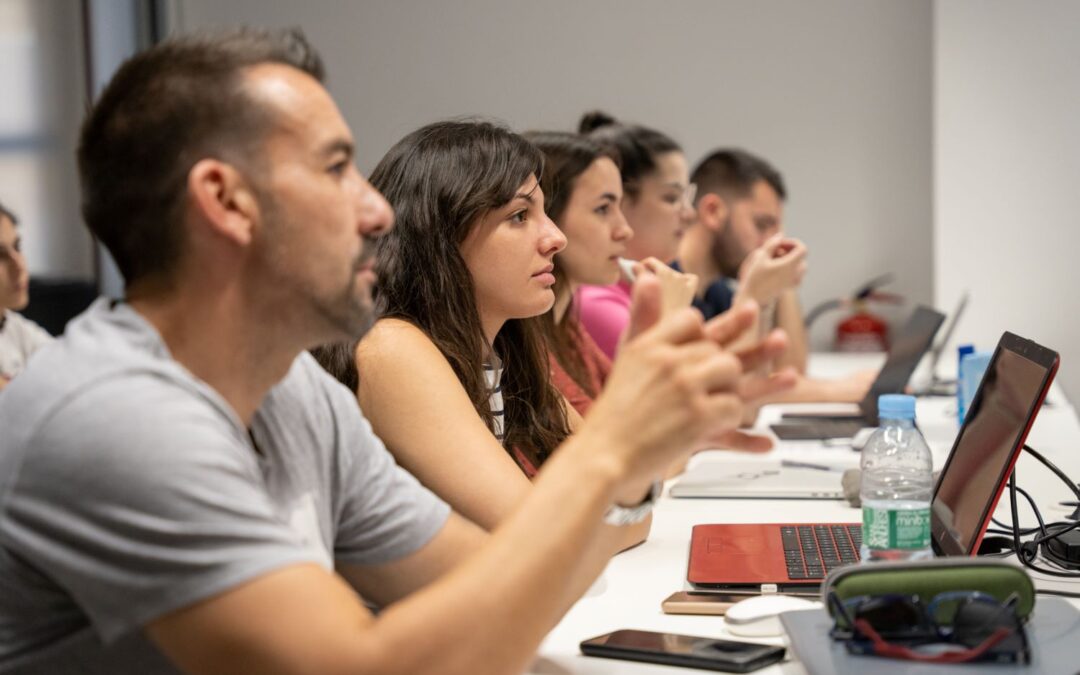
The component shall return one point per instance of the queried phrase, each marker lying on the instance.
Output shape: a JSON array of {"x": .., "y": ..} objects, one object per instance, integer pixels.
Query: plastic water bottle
[
  {"x": 962, "y": 352},
  {"x": 972, "y": 368},
  {"x": 897, "y": 484}
]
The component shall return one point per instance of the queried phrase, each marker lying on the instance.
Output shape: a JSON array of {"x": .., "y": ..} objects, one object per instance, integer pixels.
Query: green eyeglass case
[{"x": 928, "y": 578}]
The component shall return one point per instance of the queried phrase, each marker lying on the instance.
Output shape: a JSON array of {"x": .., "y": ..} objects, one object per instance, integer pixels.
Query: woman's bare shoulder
[{"x": 395, "y": 338}]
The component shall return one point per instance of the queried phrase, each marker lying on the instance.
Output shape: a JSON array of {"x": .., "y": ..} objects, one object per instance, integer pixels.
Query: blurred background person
[
  {"x": 19, "y": 337},
  {"x": 737, "y": 248},
  {"x": 658, "y": 204}
]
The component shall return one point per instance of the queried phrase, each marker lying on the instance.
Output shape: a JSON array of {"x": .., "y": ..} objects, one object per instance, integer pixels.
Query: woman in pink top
[
  {"x": 583, "y": 188},
  {"x": 658, "y": 205}
]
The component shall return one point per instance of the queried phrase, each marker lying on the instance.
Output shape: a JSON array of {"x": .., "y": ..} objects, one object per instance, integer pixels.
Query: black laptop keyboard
[{"x": 812, "y": 551}]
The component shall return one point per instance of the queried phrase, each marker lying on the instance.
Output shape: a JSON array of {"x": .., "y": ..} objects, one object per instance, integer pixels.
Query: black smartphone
[{"x": 728, "y": 656}]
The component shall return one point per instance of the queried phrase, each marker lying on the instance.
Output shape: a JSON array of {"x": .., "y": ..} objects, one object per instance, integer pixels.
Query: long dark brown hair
[
  {"x": 442, "y": 180},
  {"x": 566, "y": 156}
]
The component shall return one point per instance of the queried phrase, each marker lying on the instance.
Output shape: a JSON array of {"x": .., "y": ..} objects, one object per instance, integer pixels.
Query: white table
[{"x": 629, "y": 593}]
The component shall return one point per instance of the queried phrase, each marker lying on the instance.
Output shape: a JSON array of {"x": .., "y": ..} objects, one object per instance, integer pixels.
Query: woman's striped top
[{"x": 493, "y": 375}]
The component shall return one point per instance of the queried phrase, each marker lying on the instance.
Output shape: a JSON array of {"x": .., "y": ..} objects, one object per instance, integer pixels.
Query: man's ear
[
  {"x": 223, "y": 198},
  {"x": 712, "y": 212}
]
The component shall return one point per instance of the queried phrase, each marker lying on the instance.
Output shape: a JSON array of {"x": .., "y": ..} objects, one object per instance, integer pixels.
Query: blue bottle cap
[{"x": 896, "y": 407}]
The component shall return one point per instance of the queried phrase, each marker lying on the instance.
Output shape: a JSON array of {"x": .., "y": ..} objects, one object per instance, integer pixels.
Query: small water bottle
[
  {"x": 897, "y": 484},
  {"x": 972, "y": 369},
  {"x": 962, "y": 352}
]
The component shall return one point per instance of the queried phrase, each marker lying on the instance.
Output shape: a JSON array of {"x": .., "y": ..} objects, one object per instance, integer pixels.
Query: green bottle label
[{"x": 907, "y": 529}]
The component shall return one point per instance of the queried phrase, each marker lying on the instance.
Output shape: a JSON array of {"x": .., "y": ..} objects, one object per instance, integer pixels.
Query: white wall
[
  {"x": 835, "y": 92},
  {"x": 41, "y": 104},
  {"x": 113, "y": 30},
  {"x": 1007, "y": 170}
]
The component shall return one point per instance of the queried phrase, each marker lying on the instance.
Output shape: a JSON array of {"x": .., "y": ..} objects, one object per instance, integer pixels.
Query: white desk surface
[{"x": 629, "y": 593}]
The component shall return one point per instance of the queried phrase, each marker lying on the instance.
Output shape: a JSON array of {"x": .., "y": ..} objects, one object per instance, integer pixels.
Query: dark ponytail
[
  {"x": 591, "y": 121},
  {"x": 638, "y": 147}
]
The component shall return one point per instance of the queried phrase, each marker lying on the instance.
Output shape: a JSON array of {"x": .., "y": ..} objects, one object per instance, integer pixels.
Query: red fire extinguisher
[{"x": 863, "y": 331}]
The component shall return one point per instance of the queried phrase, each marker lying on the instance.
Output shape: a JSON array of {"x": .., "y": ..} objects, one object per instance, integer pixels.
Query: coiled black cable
[{"x": 1026, "y": 552}]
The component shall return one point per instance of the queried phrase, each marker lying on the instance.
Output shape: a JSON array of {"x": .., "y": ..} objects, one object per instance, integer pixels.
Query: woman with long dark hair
[
  {"x": 582, "y": 192},
  {"x": 658, "y": 205},
  {"x": 454, "y": 375}
]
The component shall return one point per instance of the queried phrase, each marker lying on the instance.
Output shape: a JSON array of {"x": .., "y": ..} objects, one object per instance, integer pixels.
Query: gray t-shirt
[{"x": 129, "y": 489}]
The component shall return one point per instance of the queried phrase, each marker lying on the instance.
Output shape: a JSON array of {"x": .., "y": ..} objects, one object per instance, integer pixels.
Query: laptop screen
[
  {"x": 907, "y": 349},
  {"x": 991, "y": 438},
  {"x": 940, "y": 346}
]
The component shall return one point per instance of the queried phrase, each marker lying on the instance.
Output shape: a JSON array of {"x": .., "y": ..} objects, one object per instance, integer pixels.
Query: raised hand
[
  {"x": 753, "y": 386},
  {"x": 776, "y": 266},
  {"x": 677, "y": 288},
  {"x": 670, "y": 385}
]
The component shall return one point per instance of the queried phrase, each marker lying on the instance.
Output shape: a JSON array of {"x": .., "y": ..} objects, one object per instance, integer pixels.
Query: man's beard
[
  {"x": 352, "y": 313},
  {"x": 726, "y": 251},
  {"x": 348, "y": 314}
]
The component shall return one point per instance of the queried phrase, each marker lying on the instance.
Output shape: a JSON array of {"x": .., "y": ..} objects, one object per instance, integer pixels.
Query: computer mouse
[
  {"x": 759, "y": 616},
  {"x": 858, "y": 441}
]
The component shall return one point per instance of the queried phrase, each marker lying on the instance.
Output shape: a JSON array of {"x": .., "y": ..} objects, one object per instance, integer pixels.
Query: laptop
[
  {"x": 758, "y": 480},
  {"x": 907, "y": 350},
  {"x": 789, "y": 557},
  {"x": 944, "y": 386}
]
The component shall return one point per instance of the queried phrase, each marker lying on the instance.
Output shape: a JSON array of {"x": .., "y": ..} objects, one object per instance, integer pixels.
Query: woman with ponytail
[{"x": 658, "y": 204}]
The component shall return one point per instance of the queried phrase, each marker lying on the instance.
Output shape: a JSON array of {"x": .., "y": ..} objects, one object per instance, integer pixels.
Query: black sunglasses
[{"x": 963, "y": 626}]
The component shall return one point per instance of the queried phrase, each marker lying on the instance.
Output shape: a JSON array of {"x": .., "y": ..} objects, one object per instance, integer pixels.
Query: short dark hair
[
  {"x": 164, "y": 110},
  {"x": 638, "y": 147},
  {"x": 5, "y": 212},
  {"x": 732, "y": 173}
]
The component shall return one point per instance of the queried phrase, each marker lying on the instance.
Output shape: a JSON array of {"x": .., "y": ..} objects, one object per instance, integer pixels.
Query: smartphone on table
[
  {"x": 669, "y": 649},
  {"x": 701, "y": 602}
]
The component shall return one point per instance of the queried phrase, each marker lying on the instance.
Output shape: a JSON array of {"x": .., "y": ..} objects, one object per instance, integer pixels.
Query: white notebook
[{"x": 758, "y": 480}]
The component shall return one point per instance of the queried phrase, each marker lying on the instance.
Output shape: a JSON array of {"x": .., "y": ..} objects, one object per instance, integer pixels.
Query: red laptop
[{"x": 797, "y": 556}]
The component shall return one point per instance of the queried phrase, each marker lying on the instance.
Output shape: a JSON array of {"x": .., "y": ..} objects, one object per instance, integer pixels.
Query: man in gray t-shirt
[
  {"x": 131, "y": 489},
  {"x": 182, "y": 489}
]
